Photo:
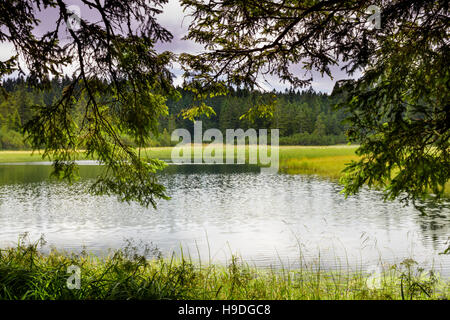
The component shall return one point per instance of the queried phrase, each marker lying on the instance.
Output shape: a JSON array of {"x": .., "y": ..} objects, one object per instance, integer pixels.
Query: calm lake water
[{"x": 217, "y": 211}]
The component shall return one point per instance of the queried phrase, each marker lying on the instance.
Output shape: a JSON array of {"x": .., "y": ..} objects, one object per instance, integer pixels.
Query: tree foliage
[
  {"x": 296, "y": 114},
  {"x": 398, "y": 109},
  {"x": 122, "y": 80}
]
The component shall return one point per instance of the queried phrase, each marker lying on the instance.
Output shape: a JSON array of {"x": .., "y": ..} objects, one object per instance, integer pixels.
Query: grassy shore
[
  {"x": 26, "y": 273},
  {"x": 325, "y": 161}
]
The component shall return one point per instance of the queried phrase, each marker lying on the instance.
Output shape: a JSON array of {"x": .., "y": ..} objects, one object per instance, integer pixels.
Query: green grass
[
  {"x": 285, "y": 152},
  {"x": 330, "y": 167},
  {"x": 301, "y": 152},
  {"x": 26, "y": 273},
  {"x": 19, "y": 156},
  {"x": 324, "y": 161}
]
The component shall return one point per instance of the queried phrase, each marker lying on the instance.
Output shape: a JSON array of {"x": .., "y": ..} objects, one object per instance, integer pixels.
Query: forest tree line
[{"x": 303, "y": 118}]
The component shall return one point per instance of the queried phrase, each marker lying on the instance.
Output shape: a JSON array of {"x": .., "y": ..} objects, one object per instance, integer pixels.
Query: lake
[{"x": 270, "y": 220}]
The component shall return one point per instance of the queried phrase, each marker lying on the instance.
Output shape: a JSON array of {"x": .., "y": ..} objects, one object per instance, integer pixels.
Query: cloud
[
  {"x": 177, "y": 22},
  {"x": 7, "y": 50}
]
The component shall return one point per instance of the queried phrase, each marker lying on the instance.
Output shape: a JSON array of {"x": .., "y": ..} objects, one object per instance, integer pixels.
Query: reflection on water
[{"x": 219, "y": 210}]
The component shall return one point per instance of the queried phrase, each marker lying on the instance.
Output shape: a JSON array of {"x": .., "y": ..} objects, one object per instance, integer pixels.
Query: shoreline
[
  {"x": 126, "y": 274},
  {"x": 322, "y": 160}
]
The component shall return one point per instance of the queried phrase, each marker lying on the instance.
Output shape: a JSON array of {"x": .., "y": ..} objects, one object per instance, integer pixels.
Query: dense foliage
[
  {"x": 123, "y": 82},
  {"x": 304, "y": 118},
  {"x": 399, "y": 109}
]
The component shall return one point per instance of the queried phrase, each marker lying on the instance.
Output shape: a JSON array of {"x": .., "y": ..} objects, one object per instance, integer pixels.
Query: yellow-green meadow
[{"x": 325, "y": 161}]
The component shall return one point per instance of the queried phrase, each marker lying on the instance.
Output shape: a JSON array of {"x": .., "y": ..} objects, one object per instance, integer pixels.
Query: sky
[{"x": 176, "y": 21}]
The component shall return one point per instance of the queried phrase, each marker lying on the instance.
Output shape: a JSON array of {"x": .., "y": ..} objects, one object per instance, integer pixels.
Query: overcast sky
[{"x": 176, "y": 21}]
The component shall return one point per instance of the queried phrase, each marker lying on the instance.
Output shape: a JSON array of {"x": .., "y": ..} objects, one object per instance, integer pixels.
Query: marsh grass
[
  {"x": 326, "y": 161},
  {"x": 165, "y": 153},
  {"x": 27, "y": 273},
  {"x": 330, "y": 166}
]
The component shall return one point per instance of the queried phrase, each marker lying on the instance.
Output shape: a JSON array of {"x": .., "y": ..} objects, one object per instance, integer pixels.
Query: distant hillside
[{"x": 304, "y": 118}]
